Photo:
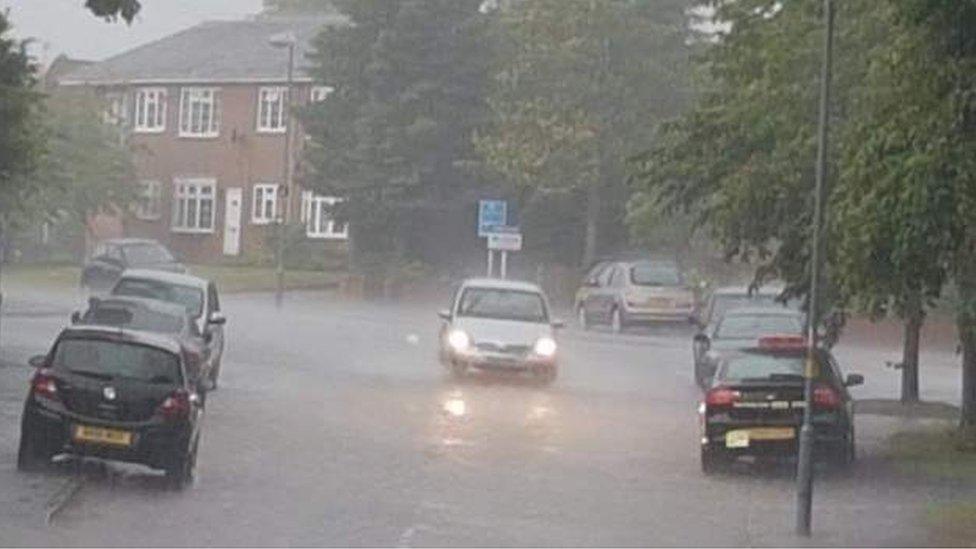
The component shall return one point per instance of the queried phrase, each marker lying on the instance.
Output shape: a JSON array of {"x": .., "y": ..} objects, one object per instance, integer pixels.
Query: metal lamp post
[
  {"x": 285, "y": 40},
  {"x": 804, "y": 492}
]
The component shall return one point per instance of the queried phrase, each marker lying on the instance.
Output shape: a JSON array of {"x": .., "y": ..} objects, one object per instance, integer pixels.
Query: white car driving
[{"x": 500, "y": 325}]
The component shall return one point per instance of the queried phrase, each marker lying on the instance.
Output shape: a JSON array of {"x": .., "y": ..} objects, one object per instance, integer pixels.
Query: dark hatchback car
[
  {"x": 113, "y": 394},
  {"x": 150, "y": 315},
  {"x": 756, "y": 401},
  {"x": 112, "y": 257}
]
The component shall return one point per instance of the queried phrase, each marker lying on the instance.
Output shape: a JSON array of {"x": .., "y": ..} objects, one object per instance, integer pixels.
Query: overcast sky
[{"x": 64, "y": 26}]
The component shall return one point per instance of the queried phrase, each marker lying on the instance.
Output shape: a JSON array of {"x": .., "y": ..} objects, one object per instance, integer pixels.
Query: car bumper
[
  {"x": 659, "y": 315},
  {"x": 827, "y": 433},
  {"x": 500, "y": 362},
  {"x": 153, "y": 444}
]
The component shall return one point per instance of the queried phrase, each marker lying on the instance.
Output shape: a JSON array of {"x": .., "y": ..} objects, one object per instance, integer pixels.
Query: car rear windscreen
[
  {"x": 756, "y": 326},
  {"x": 114, "y": 359},
  {"x": 655, "y": 274},
  {"x": 188, "y": 296},
  {"x": 134, "y": 319},
  {"x": 762, "y": 367},
  {"x": 503, "y": 304}
]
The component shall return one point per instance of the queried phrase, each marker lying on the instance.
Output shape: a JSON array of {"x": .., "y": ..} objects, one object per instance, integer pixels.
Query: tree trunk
[
  {"x": 593, "y": 207},
  {"x": 909, "y": 362},
  {"x": 966, "y": 324}
]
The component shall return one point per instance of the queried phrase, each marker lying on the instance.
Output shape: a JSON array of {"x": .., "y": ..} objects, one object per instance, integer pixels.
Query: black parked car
[
  {"x": 114, "y": 394},
  {"x": 150, "y": 315},
  {"x": 755, "y": 405},
  {"x": 111, "y": 257}
]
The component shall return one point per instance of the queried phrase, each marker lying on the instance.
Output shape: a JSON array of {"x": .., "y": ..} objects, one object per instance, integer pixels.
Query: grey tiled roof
[{"x": 213, "y": 51}]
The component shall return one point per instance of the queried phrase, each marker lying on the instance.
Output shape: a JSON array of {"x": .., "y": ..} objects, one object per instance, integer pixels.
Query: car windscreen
[
  {"x": 740, "y": 326},
  {"x": 134, "y": 318},
  {"x": 107, "y": 360},
  {"x": 759, "y": 367},
  {"x": 188, "y": 296},
  {"x": 503, "y": 304},
  {"x": 146, "y": 254},
  {"x": 654, "y": 274}
]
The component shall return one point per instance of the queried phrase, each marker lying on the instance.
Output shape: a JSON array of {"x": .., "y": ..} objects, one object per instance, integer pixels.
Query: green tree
[
  {"x": 87, "y": 169},
  {"x": 20, "y": 141},
  {"x": 578, "y": 84},
  {"x": 408, "y": 78}
]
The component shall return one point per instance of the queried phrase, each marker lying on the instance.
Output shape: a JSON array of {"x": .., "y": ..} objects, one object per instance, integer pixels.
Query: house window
[
  {"x": 149, "y": 202},
  {"x": 319, "y": 93},
  {"x": 264, "y": 207},
  {"x": 272, "y": 110},
  {"x": 151, "y": 110},
  {"x": 117, "y": 109},
  {"x": 193, "y": 205},
  {"x": 199, "y": 112},
  {"x": 319, "y": 219}
]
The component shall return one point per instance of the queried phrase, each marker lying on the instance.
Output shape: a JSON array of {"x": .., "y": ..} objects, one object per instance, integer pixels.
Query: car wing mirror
[
  {"x": 701, "y": 338},
  {"x": 38, "y": 361},
  {"x": 75, "y": 317},
  {"x": 444, "y": 314},
  {"x": 854, "y": 380},
  {"x": 217, "y": 318},
  {"x": 558, "y": 324}
]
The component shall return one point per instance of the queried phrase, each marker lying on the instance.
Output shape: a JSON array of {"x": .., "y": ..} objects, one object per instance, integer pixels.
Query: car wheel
[
  {"x": 32, "y": 455},
  {"x": 458, "y": 369},
  {"x": 581, "y": 318},
  {"x": 616, "y": 320},
  {"x": 180, "y": 473},
  {"x": 546, "y": 375},
  {"x": 713, "y": 461},
  {"x": 842, "y": 456}
]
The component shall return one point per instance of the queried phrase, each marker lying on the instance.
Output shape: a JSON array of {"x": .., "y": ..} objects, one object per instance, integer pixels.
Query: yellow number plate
[
  {"x": 100, "y": 435},
  {"x": 741, "y": 438}
]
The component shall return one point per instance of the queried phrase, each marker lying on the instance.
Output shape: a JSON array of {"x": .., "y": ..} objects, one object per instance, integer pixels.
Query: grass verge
[{"x": 939, "y": 454}]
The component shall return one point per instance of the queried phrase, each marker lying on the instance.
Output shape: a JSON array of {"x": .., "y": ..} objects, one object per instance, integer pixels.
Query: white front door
[{"x": 232, "y": 221}]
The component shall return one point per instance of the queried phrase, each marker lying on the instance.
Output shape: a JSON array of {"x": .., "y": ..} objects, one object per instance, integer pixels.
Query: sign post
[
  {"x": 504, "y": 239},
  {"x": 491, "y": 215}
]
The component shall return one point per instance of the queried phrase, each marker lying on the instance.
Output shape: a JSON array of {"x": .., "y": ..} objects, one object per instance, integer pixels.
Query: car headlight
[
  {"x": 545, "y": 347},
  {"x": 458, "y": 340}
]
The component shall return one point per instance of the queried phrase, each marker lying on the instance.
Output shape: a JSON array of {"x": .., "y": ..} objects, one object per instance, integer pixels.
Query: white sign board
[{"x": 506, "y": 242}]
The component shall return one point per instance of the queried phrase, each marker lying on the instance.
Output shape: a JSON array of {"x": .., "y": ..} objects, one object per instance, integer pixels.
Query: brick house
[{"x": 205, "y": 113}]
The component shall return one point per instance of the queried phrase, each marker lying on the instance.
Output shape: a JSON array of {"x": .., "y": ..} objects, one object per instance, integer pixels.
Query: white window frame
[
  {"x": 317, "y": 227},
  {"x": 209, "y": 127},
  {"x": 264, "y": 195},
  {"x": 317, "y": 94},
  {"x": 154, "y": 121},
  {"x": 270, "y": 121},
  {"x": 187, "y": 191},
  {"x": 150, "y": 204}
]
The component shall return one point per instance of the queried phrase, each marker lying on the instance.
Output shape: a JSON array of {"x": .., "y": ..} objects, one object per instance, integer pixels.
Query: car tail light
[
  {"x": 825, "y": 396},
  {"x": 720, "y": 397},
  {"x": 44, "y": 386},
  {"x": 176, "y": 406}
]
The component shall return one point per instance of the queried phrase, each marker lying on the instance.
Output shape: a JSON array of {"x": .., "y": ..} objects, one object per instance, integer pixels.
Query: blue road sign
[{"x": 491, "y": 213}]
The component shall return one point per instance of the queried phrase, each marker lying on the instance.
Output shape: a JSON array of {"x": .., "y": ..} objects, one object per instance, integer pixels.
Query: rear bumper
[
  {"x": 153, "y": 444},
  {"x": 828, "y": 435},
  {"x": 659, "y": 315}
]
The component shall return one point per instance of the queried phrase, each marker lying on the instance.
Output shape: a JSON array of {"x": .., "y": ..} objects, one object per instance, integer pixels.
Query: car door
[
  {"x": 593, "y": 296},
  {"x": 604, "y": 296},
  {"x": 589, "y": 283}
]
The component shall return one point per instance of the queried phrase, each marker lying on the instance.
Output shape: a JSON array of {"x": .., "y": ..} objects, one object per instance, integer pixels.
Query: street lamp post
[
  {"x": 804, "y": 492},
  {"x": 285, "y": 40}
]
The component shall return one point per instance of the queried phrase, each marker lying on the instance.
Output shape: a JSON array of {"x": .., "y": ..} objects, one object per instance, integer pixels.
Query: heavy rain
[{"x": 468, "y": 273}]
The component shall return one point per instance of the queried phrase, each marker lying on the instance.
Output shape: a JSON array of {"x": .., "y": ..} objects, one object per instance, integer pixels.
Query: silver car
[{"x": 499, "y": 325}]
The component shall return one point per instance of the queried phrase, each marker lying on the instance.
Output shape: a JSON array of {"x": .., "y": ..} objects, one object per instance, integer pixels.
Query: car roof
[
  {"x": 114, "y": 333},
  {"x": 499, "y": 284},
  {"x": 768, "y": 310},
  {"x": 164, "y": 276},
  {"x": 155, "y": 305}
]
